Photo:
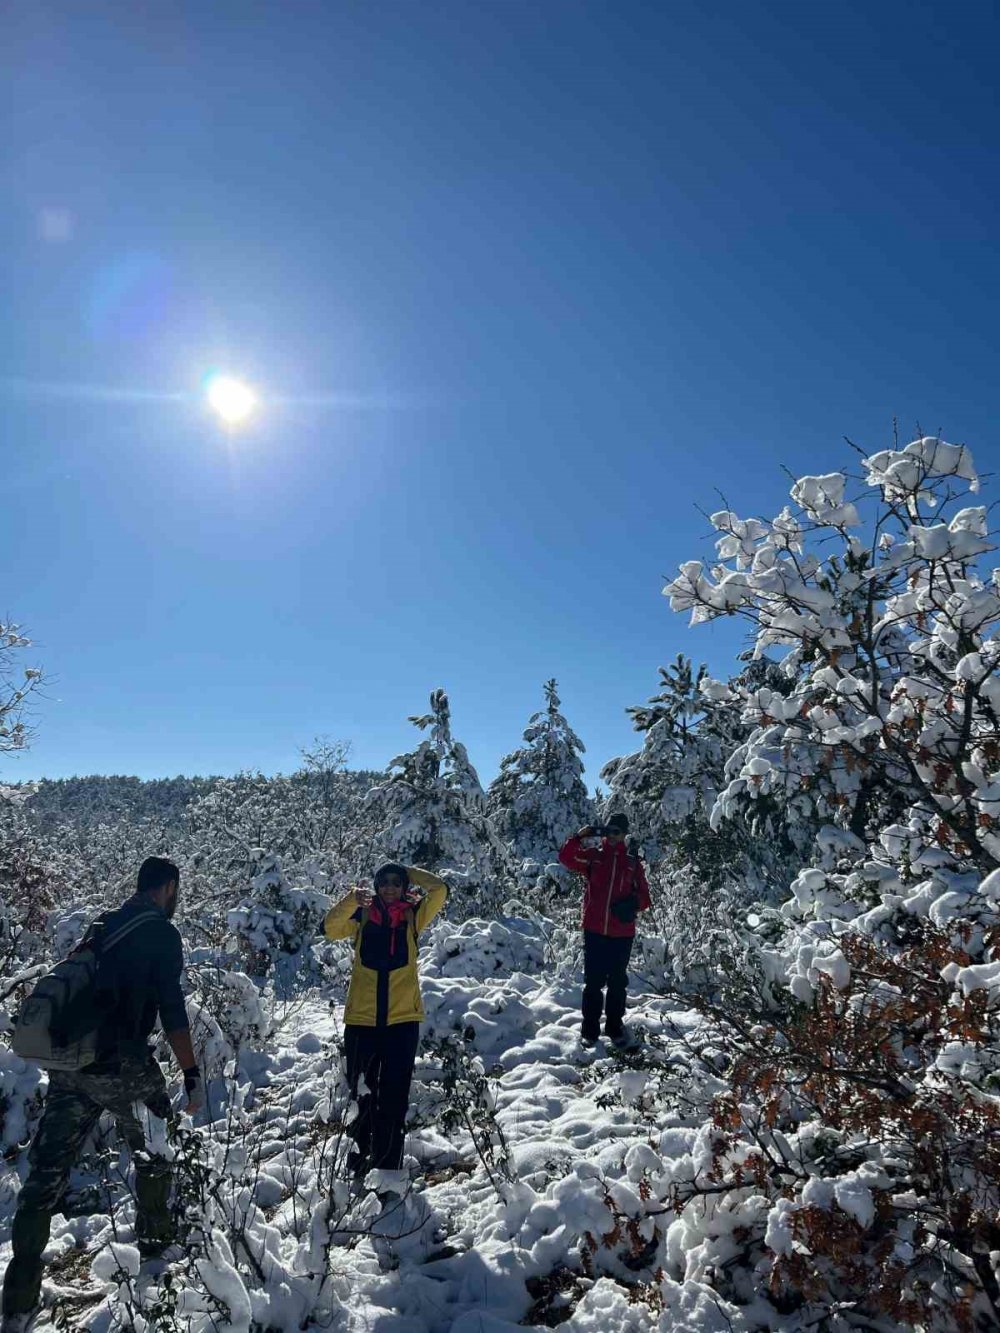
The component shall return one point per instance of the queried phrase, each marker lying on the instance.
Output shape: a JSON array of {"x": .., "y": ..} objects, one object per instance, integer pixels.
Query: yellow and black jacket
[{"x": 384, "y": 985}]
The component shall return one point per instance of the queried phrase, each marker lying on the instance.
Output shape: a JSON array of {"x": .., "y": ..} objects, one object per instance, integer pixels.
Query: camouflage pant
[{"x": 72, "y": 1108}]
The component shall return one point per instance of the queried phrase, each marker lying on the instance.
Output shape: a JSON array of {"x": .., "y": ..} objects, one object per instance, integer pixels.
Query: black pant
[
  {"x": 605, "y": 963},
  {"x": 385, "y": 1056}
]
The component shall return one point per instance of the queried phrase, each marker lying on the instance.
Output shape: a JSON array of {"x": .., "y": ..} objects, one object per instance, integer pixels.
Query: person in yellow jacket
[{"x": 384, "y": 1009}]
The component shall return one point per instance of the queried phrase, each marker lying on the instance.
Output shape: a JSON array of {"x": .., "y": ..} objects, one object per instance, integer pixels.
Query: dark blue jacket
[{"x": 138, "y": 981}]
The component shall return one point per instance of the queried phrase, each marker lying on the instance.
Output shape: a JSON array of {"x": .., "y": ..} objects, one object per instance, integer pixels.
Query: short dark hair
[{"x": 156, "y": 872}]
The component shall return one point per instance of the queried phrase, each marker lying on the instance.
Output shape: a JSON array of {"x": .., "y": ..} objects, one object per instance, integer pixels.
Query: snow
[
  {"x": 982, "y": 976},
  {"x": 822, "y": 498},
  {"x": 21, "y": 1085},
  {"x": 779, "y": 1235},
  {"x": 947, "y": 542},
  {"x": 580, "y": 1136},
  {"x": 117, "y": 1258},
  {"x": 826, "y": 826},
  {"x": 901, "y": 472}
]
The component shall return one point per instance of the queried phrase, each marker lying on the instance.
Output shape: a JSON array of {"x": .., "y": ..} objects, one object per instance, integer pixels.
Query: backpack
[{"x": 58, "y": 1024}]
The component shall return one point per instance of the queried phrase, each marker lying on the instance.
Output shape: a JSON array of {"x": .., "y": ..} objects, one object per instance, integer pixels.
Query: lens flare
[{"x": 233, "y": 401}]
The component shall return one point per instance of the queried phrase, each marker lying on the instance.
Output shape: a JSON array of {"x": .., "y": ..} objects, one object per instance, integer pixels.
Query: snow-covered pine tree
[
  {"x": 433, "y": 809},
  {"x": 277, "y": 924},
  {"x": 678, "y": 770},
  {"x": 539, "y": 797},
  {"x": 690, "y": 727},
  {"x": 705, "y": 879}
]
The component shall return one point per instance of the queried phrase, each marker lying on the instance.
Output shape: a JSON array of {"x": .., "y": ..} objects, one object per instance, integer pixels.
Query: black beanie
[
  {"x": 619, "y": 821},
  {"x": 391, "y": 868}
]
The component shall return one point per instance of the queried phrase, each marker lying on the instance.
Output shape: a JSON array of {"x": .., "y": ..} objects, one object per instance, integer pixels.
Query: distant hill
[{"x": 100, "y": 799}]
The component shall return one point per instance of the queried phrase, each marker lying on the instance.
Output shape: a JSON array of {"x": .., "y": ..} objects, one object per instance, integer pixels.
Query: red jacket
[{"x": 611, "y": 875}]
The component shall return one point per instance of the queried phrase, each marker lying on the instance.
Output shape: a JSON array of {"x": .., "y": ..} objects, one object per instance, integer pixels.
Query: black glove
[
  {"x": 194, "y": 1090},
  {"x": 625, "y": 909}
]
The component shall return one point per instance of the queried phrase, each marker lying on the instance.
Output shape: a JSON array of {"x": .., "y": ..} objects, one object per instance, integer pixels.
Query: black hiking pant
[
  {"x": 384, "y": 1056},
  {"x": 72, "y": 1108},
  {"x": 605, "y": 964}
]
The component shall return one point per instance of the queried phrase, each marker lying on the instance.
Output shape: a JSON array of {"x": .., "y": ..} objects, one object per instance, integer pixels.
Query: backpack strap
[
  {"x": 91, "y": 937},
  {"x": 118, "y": 935}
]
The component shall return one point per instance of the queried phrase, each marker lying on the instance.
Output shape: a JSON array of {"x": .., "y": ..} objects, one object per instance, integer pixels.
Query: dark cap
[
  {"x": 391, "y": 868},
  {"x": 619, "y": 822}
]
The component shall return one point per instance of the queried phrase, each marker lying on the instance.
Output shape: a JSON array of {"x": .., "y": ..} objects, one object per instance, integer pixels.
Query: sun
[{"x": 233, "y": 401}]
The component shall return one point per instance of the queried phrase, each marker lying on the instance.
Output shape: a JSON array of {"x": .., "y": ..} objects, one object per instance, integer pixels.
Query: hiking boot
[
  {"x": 153, "y": 1241},
  {"x": 18, "y": 1323},
  {"x": 166, "y": 1252},
  {"x": 623, "y": 1040},
  {"x": 358, "y": 1165},
  {"x": 589, "y": 1039},
  {"x": 152, "y": 1249}
]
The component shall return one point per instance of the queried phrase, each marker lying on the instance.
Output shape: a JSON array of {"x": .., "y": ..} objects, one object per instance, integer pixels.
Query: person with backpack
[
  {"x": 137, "y": 980},
  {"x": 384, "y": 1009},
  {"x": 616, "y": 890}
]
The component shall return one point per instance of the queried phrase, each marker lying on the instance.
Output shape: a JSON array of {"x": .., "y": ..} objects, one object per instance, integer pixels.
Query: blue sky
[{"x": 521, "y": 285}]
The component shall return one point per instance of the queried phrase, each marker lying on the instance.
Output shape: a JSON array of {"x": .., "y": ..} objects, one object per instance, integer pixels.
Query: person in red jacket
[{"x": 616, "y": 891}]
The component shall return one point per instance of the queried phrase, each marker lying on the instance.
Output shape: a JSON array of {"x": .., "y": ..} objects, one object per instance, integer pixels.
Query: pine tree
[
  {"x": 678, "y": 771},
  {"x": 705, "y": 878},
  {"x": 275, "y": 925},
  {"x": 539, "y": 798},
  {"x": 435, "y": 809}
]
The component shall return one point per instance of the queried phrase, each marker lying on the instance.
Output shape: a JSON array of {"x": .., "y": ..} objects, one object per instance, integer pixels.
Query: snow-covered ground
[{"x": 533, "y": 1188}]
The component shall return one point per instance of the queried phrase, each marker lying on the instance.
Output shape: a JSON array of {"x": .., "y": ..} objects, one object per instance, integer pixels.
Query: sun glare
[{"x": 230, "y": 399}]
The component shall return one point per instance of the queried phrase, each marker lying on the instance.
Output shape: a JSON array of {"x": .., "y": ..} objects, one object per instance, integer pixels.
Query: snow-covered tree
[
  {"x": 33, "y": 879},
  {"x": 705, "y": 878},
  {"x": 336, "y": 827},
  {"x": 678, "y": 770},
  {"x": 17, "y": 683},
  {"x": 434, "y": 810},
  {"x": 855, "y": 1146},
  {"x": 689, "y": 730},
  {"x": 539, "y": 797},
  {"x": 894, "y": 705},
  {"x": 277, "y": 924},
  {"x": 314, "y": 822}
]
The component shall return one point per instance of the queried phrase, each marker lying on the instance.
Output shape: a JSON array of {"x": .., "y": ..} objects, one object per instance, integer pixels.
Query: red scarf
[{"x": 395, "y": 914}]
